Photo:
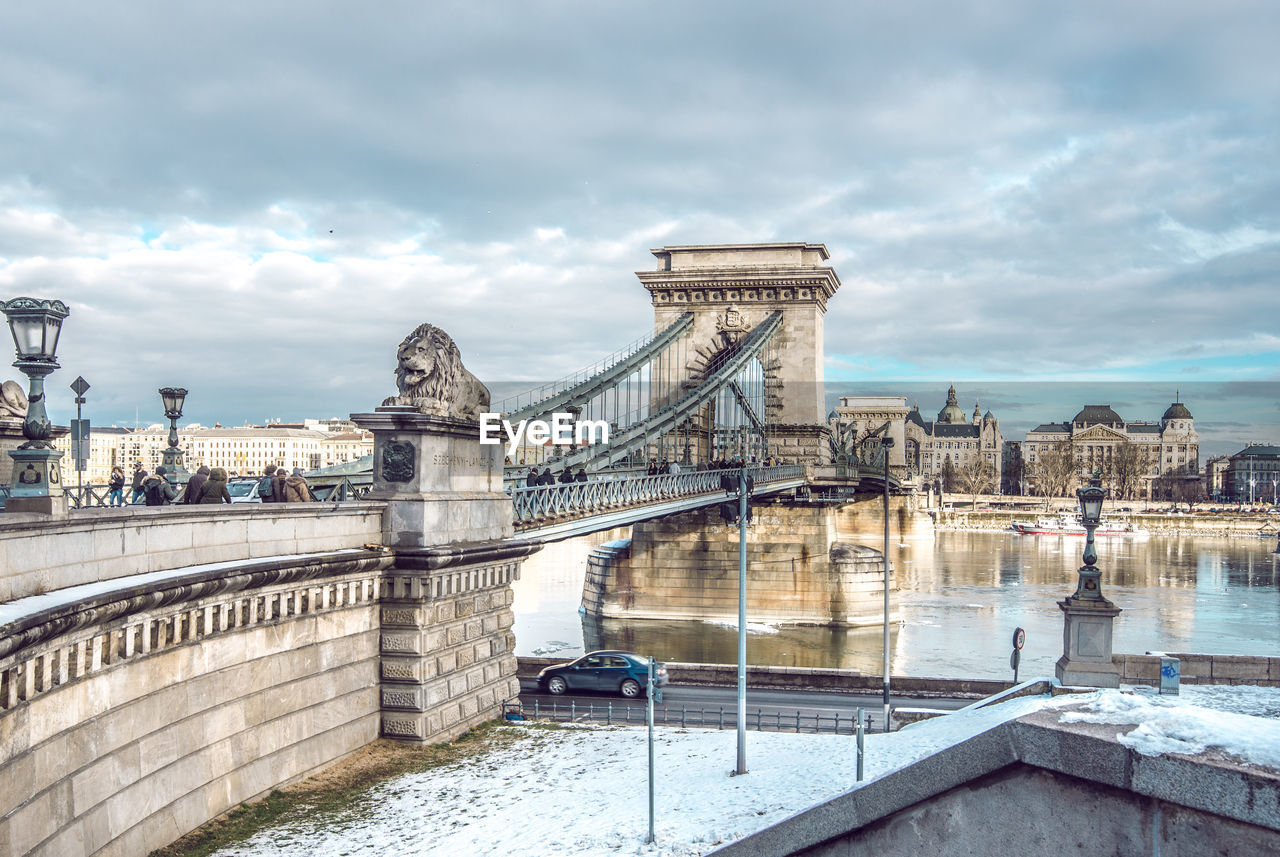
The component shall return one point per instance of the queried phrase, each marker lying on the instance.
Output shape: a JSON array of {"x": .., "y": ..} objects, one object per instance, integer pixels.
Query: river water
[{"x": 962, "y": 595}]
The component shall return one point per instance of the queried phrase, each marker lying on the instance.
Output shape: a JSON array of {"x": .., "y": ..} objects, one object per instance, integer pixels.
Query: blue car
[{"x": 613, "y": 672}]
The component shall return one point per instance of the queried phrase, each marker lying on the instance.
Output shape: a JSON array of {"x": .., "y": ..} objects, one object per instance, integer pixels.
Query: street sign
[
  {"x": 1015, "y": 659},
  {"x": 80, "y": 386},
  {"x": 79, "y": 441}
]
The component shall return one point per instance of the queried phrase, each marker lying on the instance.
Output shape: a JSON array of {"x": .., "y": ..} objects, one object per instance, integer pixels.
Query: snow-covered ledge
[{"x": 1080, "y": 779}]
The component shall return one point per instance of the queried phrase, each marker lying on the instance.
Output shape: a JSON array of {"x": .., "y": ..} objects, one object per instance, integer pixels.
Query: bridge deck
[{"x": 553, "y": 512}]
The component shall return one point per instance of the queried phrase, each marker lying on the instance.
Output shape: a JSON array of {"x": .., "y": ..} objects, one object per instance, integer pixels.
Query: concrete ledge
[
  {"x": 1201, "y": 669},
  {"x": 1040, "y": 788}
]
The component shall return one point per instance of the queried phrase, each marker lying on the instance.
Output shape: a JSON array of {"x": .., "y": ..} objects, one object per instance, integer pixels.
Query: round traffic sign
[{"x": 1019, "y": 637}]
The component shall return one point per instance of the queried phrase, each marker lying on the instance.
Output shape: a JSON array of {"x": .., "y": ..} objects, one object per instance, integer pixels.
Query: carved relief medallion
[{"x": 397, "y": 461}]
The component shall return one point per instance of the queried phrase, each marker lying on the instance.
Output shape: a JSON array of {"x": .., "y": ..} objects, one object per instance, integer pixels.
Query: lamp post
[
  {"x": 743, "y": 489},
  {"x": 172, "y": 398},
  {"x": 886, "y": 444},
  {"x": 36, "y": 324},
  {"x": 1088, "y": 616}
]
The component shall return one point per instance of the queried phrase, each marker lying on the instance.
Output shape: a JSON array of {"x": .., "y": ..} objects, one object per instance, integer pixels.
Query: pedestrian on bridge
[
  {"x": 139, "y": 476},
  {"x": 581, "y": 475},
  {"x": 115, "y": 487},
  {"x": 531, "y": 480},
  {"x": 566, "y": 476},
  {"x": 195, "y": 485},
  {"x": 546, "y": 478},
  {"x": 296, "y": 489},
  {"x": 156, "y": 490},
  {"x": 267, "y": 484},
  {"x": 214, "y": 489}
]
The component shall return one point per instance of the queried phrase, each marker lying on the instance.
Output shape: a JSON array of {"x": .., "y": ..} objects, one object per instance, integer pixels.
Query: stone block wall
[
  {"x": 686, "y": 567},
  {"x": 1259, "y": 670},
  {"x": 119, "y": 737},
  {"x": 447, "y": 650}
]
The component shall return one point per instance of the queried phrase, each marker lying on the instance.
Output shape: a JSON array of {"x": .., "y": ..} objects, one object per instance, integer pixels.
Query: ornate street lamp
[
  {"x": 36, "y": 325},
  {"x": 1088, "y": 616},
  {"x": 173, "y": 397},
  {"x": 1089, "y": 586}
]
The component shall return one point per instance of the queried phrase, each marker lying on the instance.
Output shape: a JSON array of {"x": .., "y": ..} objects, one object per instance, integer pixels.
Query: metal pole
[
  {"x": 79, "y": 469},
  {"x": 859, "y": 730},
  {"x": 649, "y": 694},
  {"x": 742, "y": 623},
  {"x": 887, "y": 444}
]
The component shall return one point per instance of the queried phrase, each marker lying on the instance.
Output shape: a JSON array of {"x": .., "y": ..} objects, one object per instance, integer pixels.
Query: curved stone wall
[
  {"x": 39, "y": 554},
  {"x": 126, "y": 728}
]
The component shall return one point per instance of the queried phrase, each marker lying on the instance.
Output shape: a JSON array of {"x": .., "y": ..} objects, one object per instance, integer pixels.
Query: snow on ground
[{"x": 583, "y": 790}]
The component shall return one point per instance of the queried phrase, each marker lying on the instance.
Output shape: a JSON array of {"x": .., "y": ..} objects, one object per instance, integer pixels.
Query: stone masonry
[
  {"x": 738, "y": 285},
  {"x": 686, "y": 567}
]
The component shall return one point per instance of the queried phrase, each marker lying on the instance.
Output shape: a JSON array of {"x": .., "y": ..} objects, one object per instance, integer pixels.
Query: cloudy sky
[{"x": 257, "y": 201}]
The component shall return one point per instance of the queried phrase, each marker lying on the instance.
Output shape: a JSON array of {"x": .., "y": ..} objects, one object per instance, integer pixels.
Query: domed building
[
  {"x": 952, "y": 436},
  {"x": 1097, "y": 434}
]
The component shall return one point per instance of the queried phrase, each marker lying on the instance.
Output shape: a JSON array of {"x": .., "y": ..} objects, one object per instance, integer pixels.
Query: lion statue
[
  {"x": 430, "y": 377},
  {"x": 13, "y": 401}
]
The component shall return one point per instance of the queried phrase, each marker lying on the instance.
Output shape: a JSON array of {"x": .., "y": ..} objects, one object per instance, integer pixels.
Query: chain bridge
[{"x": 732, "y": 374}]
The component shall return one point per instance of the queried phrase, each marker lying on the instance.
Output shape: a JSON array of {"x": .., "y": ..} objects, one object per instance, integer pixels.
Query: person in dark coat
[
  {"x": 277, "y": 485},
  {"x": 546, "y": 478},
  {"x": 195, "y": 485},
  {"x": 139, "y": 476},
  {"x": 161, "y": 491},
  {"x": 115, "y": 488},
  {"x": 267, "y": 484},
  {"x": 215, "y": 487},
  {"x": 566, "y": 476},
  {"x": 581, "y": 475},
  {"x": 532, "y": 479},
  {"x": 296, "y": 489}
]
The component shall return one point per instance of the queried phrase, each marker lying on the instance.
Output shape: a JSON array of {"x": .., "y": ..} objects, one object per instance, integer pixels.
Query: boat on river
[{"x": 1064, "y": 525}]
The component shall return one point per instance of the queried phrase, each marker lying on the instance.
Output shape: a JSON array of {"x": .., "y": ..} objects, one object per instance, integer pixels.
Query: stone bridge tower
[{"x": 730, "y": 288}]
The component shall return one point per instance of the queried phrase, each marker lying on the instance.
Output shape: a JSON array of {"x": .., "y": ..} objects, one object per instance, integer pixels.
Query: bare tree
[
  {"x": 948, "y": 475},
  {"x": 1055, "y": 468},
  {"x": 1011, "y": 480},
  {"x": 975, "y": 476},
  {"x": 1125, "y": 469}
]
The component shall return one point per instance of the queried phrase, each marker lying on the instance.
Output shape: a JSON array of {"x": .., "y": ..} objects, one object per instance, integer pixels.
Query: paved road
[{"x": 771, "y": 709}]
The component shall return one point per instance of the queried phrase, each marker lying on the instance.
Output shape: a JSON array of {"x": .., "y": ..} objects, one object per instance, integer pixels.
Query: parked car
[
  {"x": 243, "y": 489},
  {"x": 613, "y": 672}
]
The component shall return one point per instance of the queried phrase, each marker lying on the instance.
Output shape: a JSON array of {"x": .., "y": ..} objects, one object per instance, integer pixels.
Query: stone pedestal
[
  {"x": 447, "y": 653},
  {"x": 440, "y": 484},
  {"x": 37, "y": 482},
  {"x": 1086, "y": 643},
  {"x": 10, "y": 439}
]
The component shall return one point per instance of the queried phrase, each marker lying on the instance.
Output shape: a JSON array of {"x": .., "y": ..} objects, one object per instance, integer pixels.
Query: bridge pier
[
  {"x": 446, "y": 649},
  {"x": 686, "y": 567}
]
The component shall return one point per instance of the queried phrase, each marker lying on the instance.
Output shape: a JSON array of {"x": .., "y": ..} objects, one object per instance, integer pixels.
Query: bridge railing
[{"x": 577, "y": 499}]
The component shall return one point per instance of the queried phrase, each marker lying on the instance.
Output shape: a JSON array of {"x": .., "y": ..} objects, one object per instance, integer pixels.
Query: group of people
[
  {"x": 278, "y": 485},
  {"x": 656, "y": 468},
  {"x": 207, "y": 485},
  {"x": 566, "y": 477}
]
